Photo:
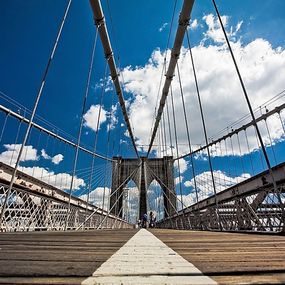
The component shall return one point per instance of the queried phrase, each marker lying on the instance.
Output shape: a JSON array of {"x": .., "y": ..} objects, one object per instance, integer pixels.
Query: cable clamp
[
  {"x": 169, "y": 77},
  {"x": 99, "y": 22},
  {"x": 108, "y": 55},
  {"x": 184, "y": 23},
  {"x": 114, "y": 77}
]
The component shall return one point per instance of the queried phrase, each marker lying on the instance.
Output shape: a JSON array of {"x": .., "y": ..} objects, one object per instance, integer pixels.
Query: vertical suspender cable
[
  {"x": 4, "y": 126},
  {"x": 251, "y": 111},
  {"x": 176, "y": 143},
  {"x": 189, "y": 140},
  {"x": 169, "y": 128},
  {"x": 87, "y": 90},
  {"x": 246, "y": 97},
  {"x": 96, "y": 131},
  {"x": 34, "y": 111},
  {"x": 105, "y": 172},
  {"x": 271, "y": 142},
  {"x": 80, "y": 128},
  {"x": 248, "y": 148},
  {"x": 281, "y": 121},
  {"x": 204, "y": 127}
]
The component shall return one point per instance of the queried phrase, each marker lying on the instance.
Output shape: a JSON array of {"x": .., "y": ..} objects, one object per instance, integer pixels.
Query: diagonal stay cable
[
  {"x": 109, "y": 211},
  {"x": 38, "y": 97},
  {"x": 116, "y": 190}
]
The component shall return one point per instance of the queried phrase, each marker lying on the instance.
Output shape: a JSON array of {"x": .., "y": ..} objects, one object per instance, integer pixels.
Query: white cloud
[
  {"x": 187, "y": 183},
  {"x": 163, "y": 26},
  {"x": 238, "y": 26},
  {"x": 221, "y": 94},
  {"x": 57, "y": 158},
  {"x": 194, "y": 24},
  {"x": 44, "y": 154},
  {"x": 91, "y": 117},
  {"x": 10, "y": 155},
  {"x": 205, "y": 185},
  {"x": 182, "y": 165},
  {"x": 215, "y": 31},
  {"x": 113, "y": 117},
  {"x": 59, "y": 180},
  {"x": 96, "y": 197},
  {"x": 178, "y": 179}
]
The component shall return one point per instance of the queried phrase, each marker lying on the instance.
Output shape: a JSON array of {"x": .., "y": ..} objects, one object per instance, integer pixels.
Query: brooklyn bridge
[{"x": 72, "y": 206}]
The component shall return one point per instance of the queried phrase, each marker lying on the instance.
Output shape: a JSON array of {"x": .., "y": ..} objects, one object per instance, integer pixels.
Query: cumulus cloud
[
  {"x": 214, "y": 31},
  {"x": 11, "y": 152},
  {"x": 194, "y": 24},
  {"x": 130, "y": 201},
  {"x": 44, "y": 154},
  {"x": 178, "y": 179},
  {"x": 58, "y": 180},
  {"x": 56, "y": 159},
  {"x": 182, "y": 165},
  {"x": 205, "y": 185},
  {"x": 96, "y": 197},
  {"x": 113, "y": 119},
  {"x": 91, "y": 117},
  {"x": 221, "y": 94},
  {"x": 162, "y": 27}
]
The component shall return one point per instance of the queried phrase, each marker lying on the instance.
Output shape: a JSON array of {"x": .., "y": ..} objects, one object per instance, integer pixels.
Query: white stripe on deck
[{"x": 145, "y": 259}]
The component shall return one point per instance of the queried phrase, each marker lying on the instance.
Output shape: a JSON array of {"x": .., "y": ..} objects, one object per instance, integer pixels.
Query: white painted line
[{"x": 145, "y": 259}]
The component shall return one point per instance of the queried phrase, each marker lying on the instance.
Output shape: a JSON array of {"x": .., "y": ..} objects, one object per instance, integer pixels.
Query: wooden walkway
[
  {"x": 71, "y": 257},
  {"x": 231, "y": 258},
  {"x": 56, "y": 257}
]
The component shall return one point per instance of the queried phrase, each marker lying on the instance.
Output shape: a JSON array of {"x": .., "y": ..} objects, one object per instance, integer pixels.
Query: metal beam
[
  {"x": 50, "y": 133},
  {"x": 175, "y": 52},
  {"x": 103, "y": 32},
  {"x": 251, "y": 186},
  {"x": 236, "y": 131}
]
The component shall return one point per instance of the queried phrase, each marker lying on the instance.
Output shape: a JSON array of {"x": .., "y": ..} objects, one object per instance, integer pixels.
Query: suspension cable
[
  {"x": 34, "y": 112},
  {"x": 188, "y": 134},
  {"x": 103, "y": 32},
  {"x": 204, "y": 125},
  {"x": 175, "y": 52},
  {"x": 176, "y": 143},
  {"x": 81, "y": 124},
  {"x": 248, "y": 102},
  {"x": 248, "y": 148}
]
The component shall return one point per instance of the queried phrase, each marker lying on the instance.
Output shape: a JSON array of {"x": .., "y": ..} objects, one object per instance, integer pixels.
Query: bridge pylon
[{"x": 143, "y": 171}]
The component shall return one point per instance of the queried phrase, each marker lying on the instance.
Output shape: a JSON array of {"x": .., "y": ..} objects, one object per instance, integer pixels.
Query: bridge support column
[
  {"x": 143, "y": 189},
  {"x": 143, "y": 171},
  {"x": 116, "y": 190}
]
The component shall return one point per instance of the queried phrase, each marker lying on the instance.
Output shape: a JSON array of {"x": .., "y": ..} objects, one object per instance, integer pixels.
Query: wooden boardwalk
[
  {"x": 56, "y": 257},
  {"x": 231, "y": 258},
  {"x": 70, "y": 257}
]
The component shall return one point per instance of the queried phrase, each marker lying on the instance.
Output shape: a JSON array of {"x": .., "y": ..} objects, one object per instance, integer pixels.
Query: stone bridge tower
[{"x": 143, "y": 171}]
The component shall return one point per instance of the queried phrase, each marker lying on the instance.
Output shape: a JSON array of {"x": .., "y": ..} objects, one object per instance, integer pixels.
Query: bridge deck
[
  {"x": 70, "y": 257},
  {"x": 231, "y": 258}
]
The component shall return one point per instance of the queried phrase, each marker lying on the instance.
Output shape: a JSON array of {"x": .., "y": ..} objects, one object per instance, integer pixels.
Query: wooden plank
[
  {"x": 227, "y": 257},
  {"x": 51, "y": 257}
]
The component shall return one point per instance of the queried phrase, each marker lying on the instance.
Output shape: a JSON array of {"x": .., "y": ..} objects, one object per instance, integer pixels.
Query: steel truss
[
  {"x": 251, "y": 206},
  {"x": 35, "y": 205}
]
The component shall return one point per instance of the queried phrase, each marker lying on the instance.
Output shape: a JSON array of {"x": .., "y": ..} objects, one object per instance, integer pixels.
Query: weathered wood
[
  {"x": 70, "y": 257},
  {"x": 231, "y": 258},
  {"x": 56, "y": 257}
]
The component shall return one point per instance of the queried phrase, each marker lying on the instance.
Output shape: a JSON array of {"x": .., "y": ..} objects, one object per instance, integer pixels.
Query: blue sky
[{"x": 137, "y": 30}]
